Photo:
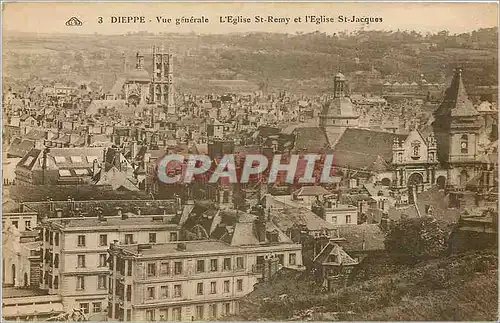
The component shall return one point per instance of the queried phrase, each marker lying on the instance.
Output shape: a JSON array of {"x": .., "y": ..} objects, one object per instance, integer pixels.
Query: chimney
[
  {"x": 21, "y": 207},
  {"x": 260, "y": 226},
  {"x": 95, "y": 167},
  {"x": 59, "y": 213},
  {"x": 120, "y": 213}
]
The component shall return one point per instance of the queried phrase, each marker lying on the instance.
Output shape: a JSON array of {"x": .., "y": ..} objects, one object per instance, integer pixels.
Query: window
[
  {"x": 213, "y": 310},
  {"x": 292, "y": 259},
  {"x": 56, "y": 260},
  {"x": 81, "y": 261},
  {"x": 101, "y": 282},
  {"x": 226, "y": 286},
  {"x": 348, "y": 219},
  {"x": 84, "y": 307},
  {"x": 165, "y": 268},
  {"x": 464, "y": 144},
  {"x": 150, "y": 315},
  {"x": 334, "y": 219},
  {"x": 102, "y": 260},
  {"x": 151, "y": 293},
  {"x": 199, "y": 289},
  {"x": 178, "y": 267},
  {"x": 200, "y": 266},
  {"x": 76, "y": 159},
  {"x": 56, "y": 238},
  {"x": 27, "y": 224},
  {"x": 129, "y": 292},
  {"x": 103, "y": 240},
  {"x": 214, "y": 264},
  {"x": 129, "y": 239},
  {"x": 64, "y": 173},
  {"x": 16, "y": 224},
  {"x": 152, "y": 238},
  {"x": 177, "y": 291},
  {"x": 227, "y": 308},
  {"x": 173, "y": 236},
  {"x": 97, "y": 307},
  {"x": 80, "y": 283},
  {"x": 239, "y": 263},
  {"x": 163, "y": 291},
  {"x": 28, "y": 161},
  {"x": 59, "y": 159},
  {"x": 56, "y": 282},
  {"x": 81, "y": 172},
  {"x": 151, "y": 270},
  {"x": 81, "y": 241},
  {"x": 239, "y": 285},
  {"x": 227, "y": 263},
  {"x": 199, "y": 312},
  {"x": 176, "y": 314},
  {"x": 129, "y": 267},
  {"x": 213, "y": 287},
  {"x": 281, "y": 259},
  {"x": 415, "y": 146}
]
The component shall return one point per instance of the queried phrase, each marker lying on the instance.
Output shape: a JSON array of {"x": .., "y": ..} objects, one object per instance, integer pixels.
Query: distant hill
[{"x": 259, "y": 57}]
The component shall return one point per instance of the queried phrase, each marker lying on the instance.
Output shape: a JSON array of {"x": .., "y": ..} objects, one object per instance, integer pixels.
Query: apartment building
[
  {"x": 191, "y": 280},
  {"x": 74, "y": 252}
]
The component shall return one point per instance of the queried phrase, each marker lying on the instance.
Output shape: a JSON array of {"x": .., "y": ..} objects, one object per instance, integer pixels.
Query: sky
[{"x": 422, "y": 17}]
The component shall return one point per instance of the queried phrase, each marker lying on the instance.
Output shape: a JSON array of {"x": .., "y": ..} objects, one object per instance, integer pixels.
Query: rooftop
[
  {"x": 171, "y": 249},
  {"x": 116, "y": 221},
  {"x": 109, "y": 207},
  {"x": 11, "y": 292}
]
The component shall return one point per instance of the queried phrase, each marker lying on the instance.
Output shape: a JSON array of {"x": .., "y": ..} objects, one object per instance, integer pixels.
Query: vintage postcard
[{"x": 250, "y": 161}]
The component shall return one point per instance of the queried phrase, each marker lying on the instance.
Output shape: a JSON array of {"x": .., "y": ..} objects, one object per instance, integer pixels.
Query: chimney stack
[
  {"x": 260, "y": 225},
  {"x": 120, "y": 213}
]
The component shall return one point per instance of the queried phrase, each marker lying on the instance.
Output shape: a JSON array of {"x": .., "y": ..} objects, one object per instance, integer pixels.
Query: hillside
[
  {"x": 302, "y": 62},
  {"x": 455, "y": 288}
]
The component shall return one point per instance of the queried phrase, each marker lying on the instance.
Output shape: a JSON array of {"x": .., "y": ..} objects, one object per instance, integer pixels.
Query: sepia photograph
[{"x": 249, "y": 161}]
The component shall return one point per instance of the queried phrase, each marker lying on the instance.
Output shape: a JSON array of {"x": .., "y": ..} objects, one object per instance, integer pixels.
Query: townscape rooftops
[{"x": 286, "y": 216}]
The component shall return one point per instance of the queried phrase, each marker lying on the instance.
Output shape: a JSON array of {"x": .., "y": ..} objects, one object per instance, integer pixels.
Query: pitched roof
[
  {"x": 456, "y": 101},
  {"x": 341, "y": 257},
  {"x": 310, "y": 139},
  {"x": 368, "y": 143},
  {"x": 19, "y": 147},
  {"x": 362, "y": 237},
  {"x": 340, "y": 107},
  {"x": 311, "y": 191}
]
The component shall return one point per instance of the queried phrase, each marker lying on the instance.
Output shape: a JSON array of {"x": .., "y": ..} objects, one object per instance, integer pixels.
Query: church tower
[
  {"x": 162, "y": 79},
  {"x": 456, "y": 127},
  {"x": 339, "y": 113}
]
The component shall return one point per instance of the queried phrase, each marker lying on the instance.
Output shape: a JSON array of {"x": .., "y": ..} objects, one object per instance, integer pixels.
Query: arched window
[{"x": 464, "y": 144}]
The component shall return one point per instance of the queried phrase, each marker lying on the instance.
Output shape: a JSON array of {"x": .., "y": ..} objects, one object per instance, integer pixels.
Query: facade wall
[{"x": 342, "y": 216}]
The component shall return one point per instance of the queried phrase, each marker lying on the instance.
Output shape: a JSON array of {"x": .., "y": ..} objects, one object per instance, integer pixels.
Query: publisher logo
[{"x": 73, "y": 21}]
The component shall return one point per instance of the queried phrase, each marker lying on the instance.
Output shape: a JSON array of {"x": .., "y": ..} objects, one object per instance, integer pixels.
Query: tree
[{"x": 415, "y": 239}]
